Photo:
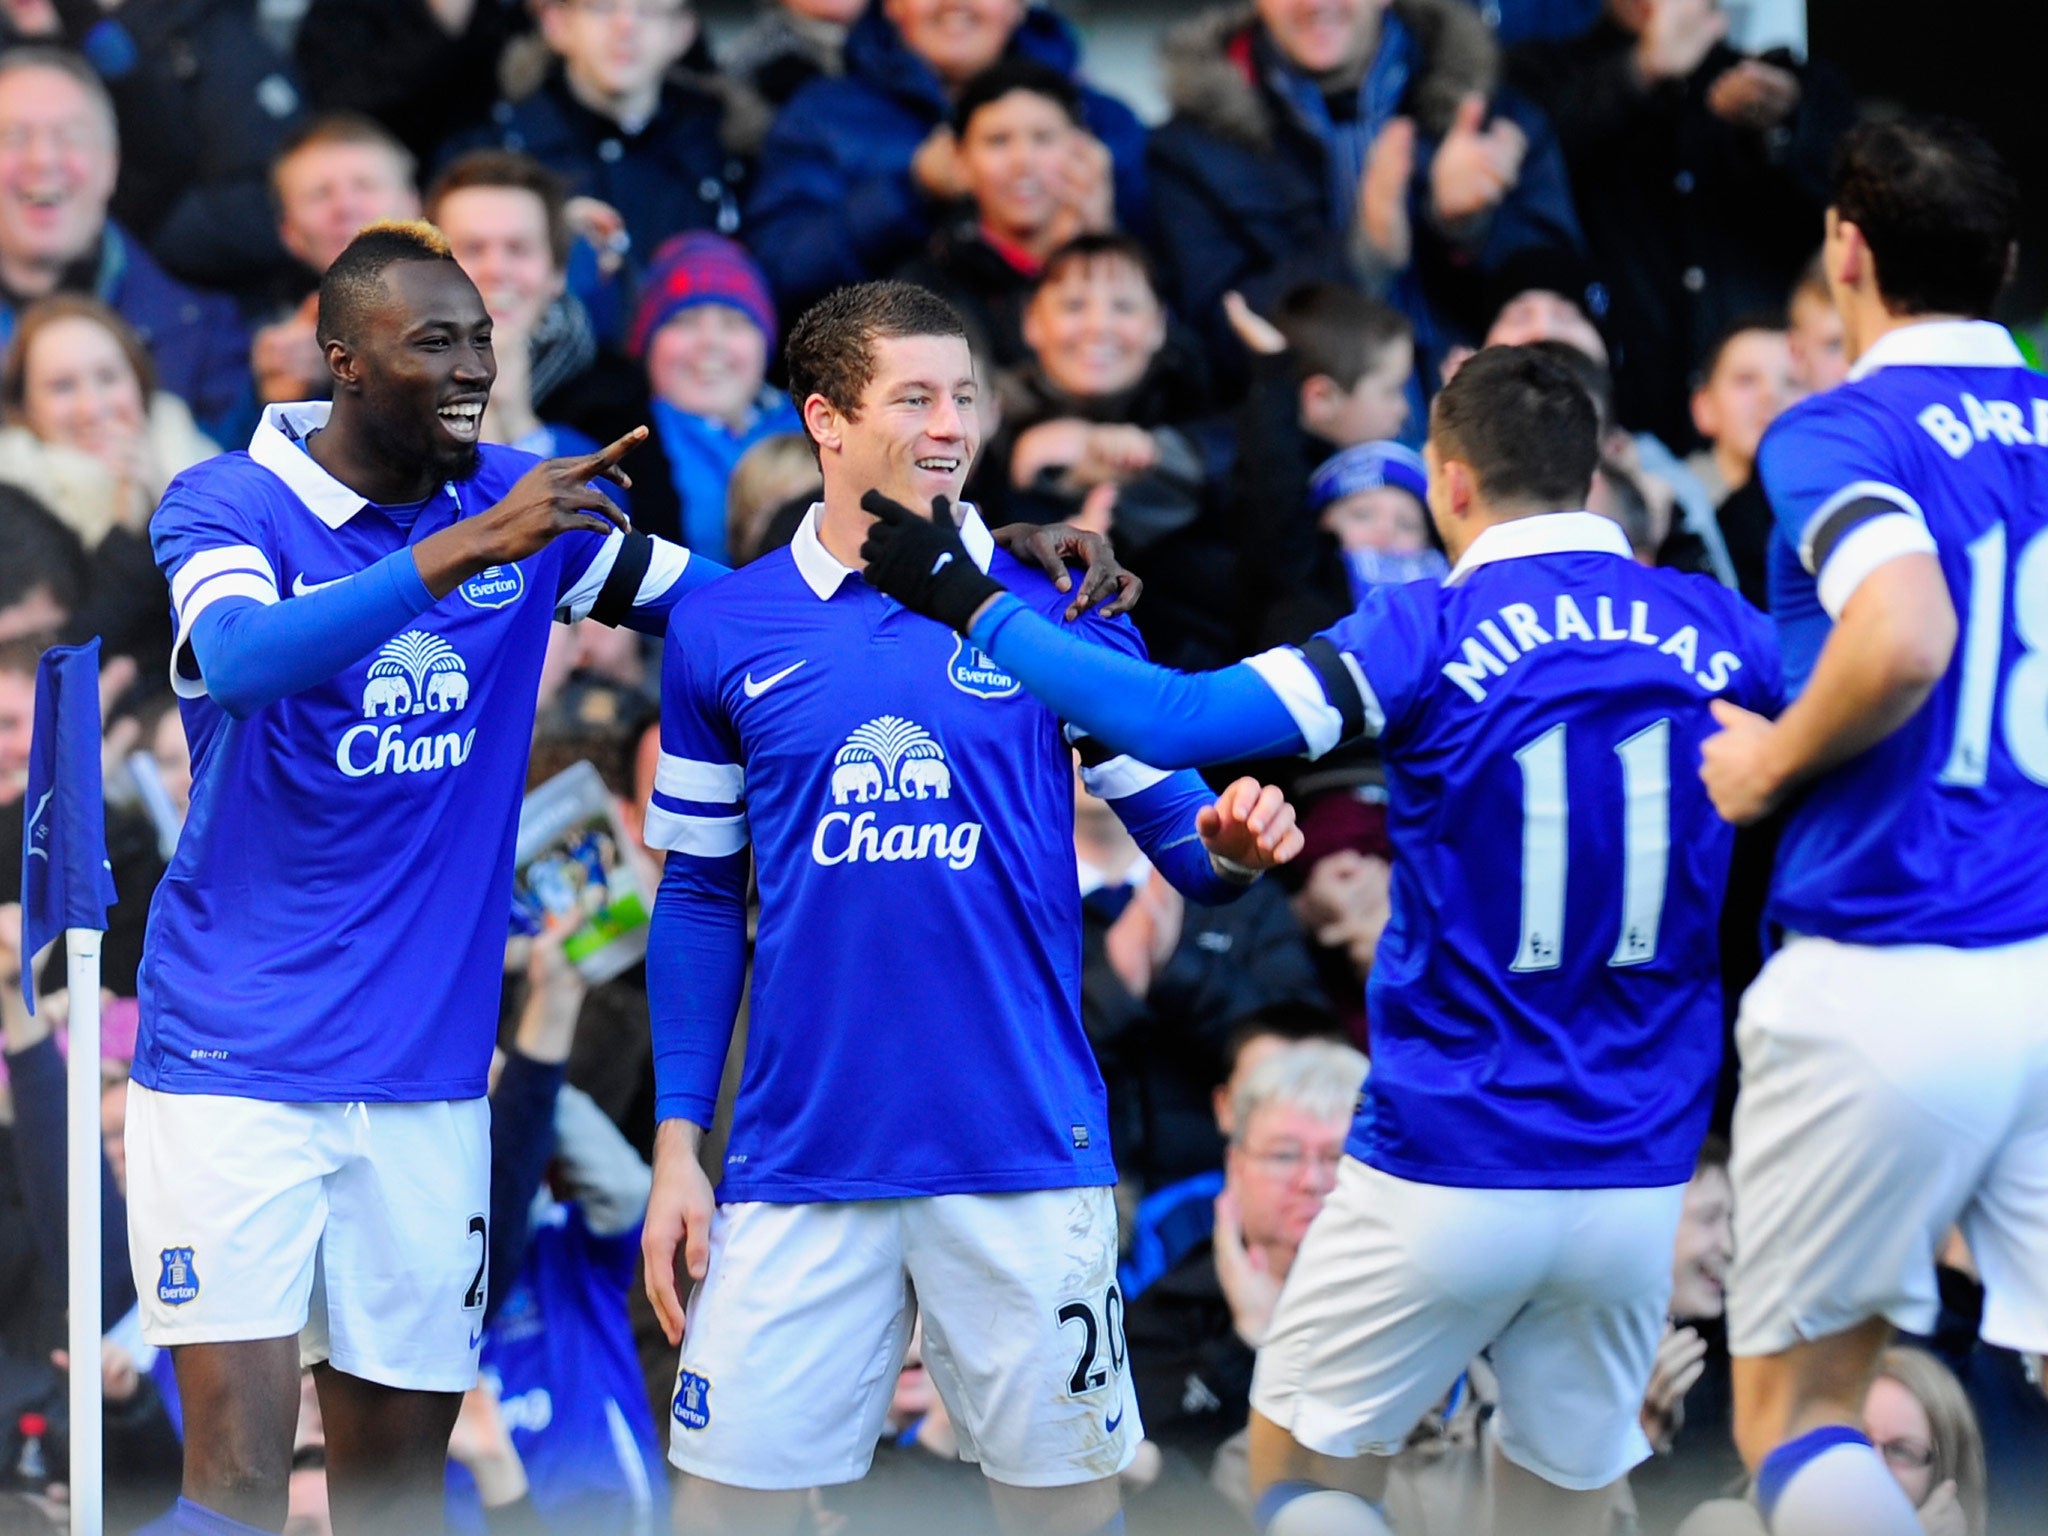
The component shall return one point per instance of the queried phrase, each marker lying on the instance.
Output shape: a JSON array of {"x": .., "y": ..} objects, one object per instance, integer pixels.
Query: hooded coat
[
  {"x": 1241, "y": 196},
  {"x": 835, "y": 202}
]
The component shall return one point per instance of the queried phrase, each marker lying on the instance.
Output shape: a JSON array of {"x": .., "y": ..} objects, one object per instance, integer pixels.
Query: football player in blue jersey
[
  {"x": 1545, "y": 1005},
  {"x": 362, "y": 603},
  {"x": 1895, "y": 1048},
  {"x": 920, "y": 1125}
]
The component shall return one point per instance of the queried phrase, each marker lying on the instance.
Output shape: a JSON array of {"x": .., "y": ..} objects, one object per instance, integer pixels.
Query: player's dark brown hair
[
  {"x": 1524, "y": 423},
  {"x": 831, "y": 349},
  {"x": 1939, "y": 209},
  {"x": 1337, "y": 332},
  {"x": 513, "y": 172}
]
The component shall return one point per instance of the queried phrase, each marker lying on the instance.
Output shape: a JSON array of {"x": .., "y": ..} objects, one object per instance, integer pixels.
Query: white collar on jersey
[
  {"x": 823, "y": 572},
  {"x": 1547, "y": 533},
  {"x": 1941, "y": 344},
  {"x": 277, "y": 443}
]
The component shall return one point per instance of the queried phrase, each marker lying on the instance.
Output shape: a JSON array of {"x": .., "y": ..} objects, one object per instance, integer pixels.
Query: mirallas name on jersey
[{"x": 1516, "y": 629}]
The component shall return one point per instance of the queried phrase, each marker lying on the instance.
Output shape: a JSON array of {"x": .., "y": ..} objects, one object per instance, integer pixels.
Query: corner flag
[
  {"x": 65, "y": 880},
  {"x": 66, "y": 887}
]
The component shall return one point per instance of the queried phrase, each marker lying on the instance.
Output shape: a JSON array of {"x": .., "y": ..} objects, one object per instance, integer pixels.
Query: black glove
[{"x": 921, "y": 562}]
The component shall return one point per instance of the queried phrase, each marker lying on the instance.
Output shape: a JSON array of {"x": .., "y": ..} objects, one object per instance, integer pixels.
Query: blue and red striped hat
[{"x": 700, "y": 268}]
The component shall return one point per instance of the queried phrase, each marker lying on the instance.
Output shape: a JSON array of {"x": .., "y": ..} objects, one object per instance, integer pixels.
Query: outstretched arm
[{"x": 1165, "y": 718}]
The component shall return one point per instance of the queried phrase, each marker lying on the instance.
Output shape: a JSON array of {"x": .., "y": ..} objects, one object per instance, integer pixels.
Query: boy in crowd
[
  {"x": 1333, "y": 369},
  {"x": 1036, "y": 178},
  {"x": 617, "y": 126},
  {"x": 1747, "y": 382},
  {"x": 704, "y": 331},
  {"x": 1372, "y": 499}
]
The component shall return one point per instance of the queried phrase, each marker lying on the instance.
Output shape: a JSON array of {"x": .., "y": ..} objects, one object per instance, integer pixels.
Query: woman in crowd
[{"x": 86, "y": 428}]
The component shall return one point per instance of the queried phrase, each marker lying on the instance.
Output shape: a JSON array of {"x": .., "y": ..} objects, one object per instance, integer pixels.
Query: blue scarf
[
  {"x": 1345, "y": 145},
  {"x": 701, "y": 455}
]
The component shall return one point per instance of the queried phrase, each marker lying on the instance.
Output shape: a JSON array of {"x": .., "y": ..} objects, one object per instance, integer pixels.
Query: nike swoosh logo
[
  {"x": 301, "y": 587},
  {"x": 475, "y": 1336},
  {"x": 1110, "y": 1425},
  {"x": 754, "y": 690},
  {"x": 942, "y": 562}
]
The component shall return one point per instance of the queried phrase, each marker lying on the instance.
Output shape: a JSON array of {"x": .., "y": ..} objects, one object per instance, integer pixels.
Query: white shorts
[
  {"x": 360, "y": 1228},
  {"x": 1889, "y": 1094},
  {"x": 794, "y": 1339},
  {"x": 1399, "y": 1286}
]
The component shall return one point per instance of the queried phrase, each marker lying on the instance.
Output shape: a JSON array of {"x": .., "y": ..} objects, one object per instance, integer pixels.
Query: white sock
[
  {"x": 1832, "y": 1482},
  {"x": 1322, "y": 1512}
]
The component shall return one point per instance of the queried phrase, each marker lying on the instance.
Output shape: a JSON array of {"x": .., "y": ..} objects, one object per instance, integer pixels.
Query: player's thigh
[
  {"x": 791, "y": 1345},
  {"x": 227, "y": 1203},
  {"x": 1877, "y": 1086},
  {"x": 403, "y": 1267},
  {"x": 1575, "y": 1362},
  {"x": 1396, "y": 1287},
  {"x": 1024, "y": 1331}
]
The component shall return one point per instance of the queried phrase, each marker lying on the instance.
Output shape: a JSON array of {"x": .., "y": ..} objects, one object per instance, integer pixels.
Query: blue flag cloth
[{"x": 66, "y": 881}]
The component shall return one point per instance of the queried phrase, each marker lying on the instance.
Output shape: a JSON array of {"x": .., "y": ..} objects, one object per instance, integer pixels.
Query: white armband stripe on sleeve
[{"x": 1296, "y": 685}]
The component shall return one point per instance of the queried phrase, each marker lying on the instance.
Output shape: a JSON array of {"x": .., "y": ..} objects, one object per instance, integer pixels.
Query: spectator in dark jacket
[
  {"x": 857, "y": 170},
  {"x": 1700, "y": 176},
  {"x": 1035, "y": 178},
  {"x": 1371, "y": 145},
  {"x": 668, "y": 151},
  {"x": 59, "y": 156},
  {"x": 1163, "y": 986},
  {"x": 423, "y": 68},
  {"x": 203, "y": 99}
]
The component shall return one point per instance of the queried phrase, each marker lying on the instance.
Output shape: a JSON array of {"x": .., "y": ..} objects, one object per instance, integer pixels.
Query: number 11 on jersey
[{"x": 1646, "y": 843}]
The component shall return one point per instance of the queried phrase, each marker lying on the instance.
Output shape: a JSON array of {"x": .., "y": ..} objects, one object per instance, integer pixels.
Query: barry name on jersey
[
  {"x": 1498, "y": 643},
  {"x": 1971, "y": 421}
]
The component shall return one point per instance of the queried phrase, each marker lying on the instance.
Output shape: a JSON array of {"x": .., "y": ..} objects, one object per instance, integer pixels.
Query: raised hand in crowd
[
  {"x": 1143, "y": 937},
  {"x": 1249, "y": 1285},
  {"x": 1258, "y": 334},
  {"x": 1754, "y": 95},
  {"x": 936, "y": 166},
  {"x": 286, "y": 358},
  {"x": 1383, "y": 193},
  {"x": 601, "y": 227},
  {"x": 1082, "y": 453},
  {"x": 1676, "y": 36},
  {"x": 1087, "y": 190},
  {"x": 1681, "y": 1358},
  {"x": 1476, "y": 165}
]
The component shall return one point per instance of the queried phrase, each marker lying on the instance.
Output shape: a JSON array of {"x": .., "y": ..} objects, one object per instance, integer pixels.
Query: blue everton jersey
[
  {"x": 1545, "y": 1007},
  {"x": 914, "y": 1025},
  {"x": 332, "y": 926},
  {"x": 1938, "y": 444}
]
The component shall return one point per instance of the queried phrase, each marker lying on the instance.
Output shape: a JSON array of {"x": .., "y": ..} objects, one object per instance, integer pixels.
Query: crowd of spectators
[{"x": 1213, "y": 339}]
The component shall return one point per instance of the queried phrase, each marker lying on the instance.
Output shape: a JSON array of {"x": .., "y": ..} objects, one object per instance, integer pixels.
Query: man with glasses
[
  {"x": 1194, "y": 1331},
  {"x": 619, "y": 127}
]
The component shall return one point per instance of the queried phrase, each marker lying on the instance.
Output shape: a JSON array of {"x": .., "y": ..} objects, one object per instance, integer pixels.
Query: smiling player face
[
  {"x": 425, "y": 368},
  {"x": 919, "y": 424}
]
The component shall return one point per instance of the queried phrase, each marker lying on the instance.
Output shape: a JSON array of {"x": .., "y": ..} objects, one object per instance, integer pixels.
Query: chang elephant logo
[
  {"x": 415, "y": 674},
  {"x": 887, "y": 762}
]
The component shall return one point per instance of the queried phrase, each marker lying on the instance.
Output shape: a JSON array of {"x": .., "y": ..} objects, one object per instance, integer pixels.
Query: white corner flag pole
[{"x": 82, "y": 1097}]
